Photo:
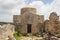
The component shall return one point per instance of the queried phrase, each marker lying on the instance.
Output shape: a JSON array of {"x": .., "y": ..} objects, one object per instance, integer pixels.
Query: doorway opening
[{"x": 28, "y": 28}]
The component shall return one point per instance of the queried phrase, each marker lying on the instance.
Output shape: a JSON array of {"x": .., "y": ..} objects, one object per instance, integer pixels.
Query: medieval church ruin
[{"x": 30, "y": 22}]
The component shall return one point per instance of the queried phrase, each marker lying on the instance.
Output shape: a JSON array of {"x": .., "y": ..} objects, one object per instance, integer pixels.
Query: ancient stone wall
[
  {"x": 51, "y": 25},
  {"x": 6, "y": 30},
  {"x": 53, "y": 16},
  {"x": 16, "y": 19}
]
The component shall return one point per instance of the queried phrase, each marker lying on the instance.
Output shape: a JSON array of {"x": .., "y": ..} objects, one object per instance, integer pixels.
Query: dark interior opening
[{"x": 29, "y": 28}]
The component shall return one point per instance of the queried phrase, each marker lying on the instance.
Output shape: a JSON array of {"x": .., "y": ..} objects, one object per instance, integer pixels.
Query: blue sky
[{"x": 45, "y": 1}]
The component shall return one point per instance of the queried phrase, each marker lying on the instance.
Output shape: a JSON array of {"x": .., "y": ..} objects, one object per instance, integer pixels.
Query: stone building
[{"x": 28, "y": 21}]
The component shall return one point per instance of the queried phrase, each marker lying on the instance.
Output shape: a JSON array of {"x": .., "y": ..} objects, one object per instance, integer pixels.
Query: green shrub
[{"x": 17, "y": 36}]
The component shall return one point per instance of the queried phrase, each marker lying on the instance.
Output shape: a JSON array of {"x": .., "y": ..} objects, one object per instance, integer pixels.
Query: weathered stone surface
[
  {"x": 51, "y": 25},
  {"x": 28, "y": 10},
  {"x": 37, "y": 23},
  {"x": 28, "y": 16},
  {"x": 53, "y": 16},
  {"x": 6, "y": 30},
  {"x": 51, "y": 38}
]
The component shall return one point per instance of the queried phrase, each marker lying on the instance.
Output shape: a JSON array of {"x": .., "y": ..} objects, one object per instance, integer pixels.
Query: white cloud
[
  {"x": 42, "y": 8},
  {"x": 10, "y": 7},
  {"x": 46, "y": 9},
  {"x": 56, "y": 6}
]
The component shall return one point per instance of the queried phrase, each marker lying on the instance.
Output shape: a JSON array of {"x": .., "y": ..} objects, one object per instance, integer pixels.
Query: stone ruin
[
  {"x": 30, "y": 22},
  {"x": 6, "y": 31}
]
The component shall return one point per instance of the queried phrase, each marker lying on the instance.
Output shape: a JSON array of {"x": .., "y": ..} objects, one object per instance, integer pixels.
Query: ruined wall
[
  {"x": 6, "y": 30},
  {"x": 51, "y": 25},
  {"x": 58, "y": 31},
  {"x": 53, "y": 16}
]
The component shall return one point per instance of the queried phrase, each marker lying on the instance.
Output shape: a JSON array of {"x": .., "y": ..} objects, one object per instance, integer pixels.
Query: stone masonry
[
  {"x": 28, "y": 21},
  {"x": 51, "y": 25},
  {"x": 6, "y": 31}
]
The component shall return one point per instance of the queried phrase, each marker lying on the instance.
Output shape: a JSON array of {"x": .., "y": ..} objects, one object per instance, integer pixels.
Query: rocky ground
[
  {"x": 6, "y": 31},
  {"x": 31, "y": 38},
  {"x": 37, "y": 38}
]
